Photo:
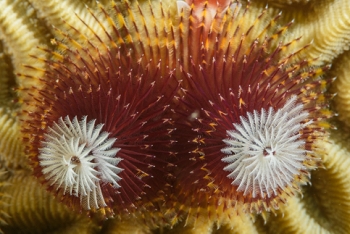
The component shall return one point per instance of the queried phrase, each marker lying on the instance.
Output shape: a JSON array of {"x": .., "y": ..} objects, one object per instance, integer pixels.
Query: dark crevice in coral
[
  {"x": 318, "y": 200},
  {"x": 7, "y": 79}
]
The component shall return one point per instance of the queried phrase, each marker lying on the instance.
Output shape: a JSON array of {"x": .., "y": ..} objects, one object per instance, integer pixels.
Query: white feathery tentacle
[
  {"x": 76, "y": 157},
  {"x": 265, "y": 152}
]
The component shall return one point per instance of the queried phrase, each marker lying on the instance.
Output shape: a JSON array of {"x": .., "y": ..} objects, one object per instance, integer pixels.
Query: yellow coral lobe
[
  {"x": 341, "y": 87},
  {"x": 3, "y": 194},
  {"x": 45, "y": 209},
  {"x": 21, "y": 38},
  {"x": 11, "y": 150}
]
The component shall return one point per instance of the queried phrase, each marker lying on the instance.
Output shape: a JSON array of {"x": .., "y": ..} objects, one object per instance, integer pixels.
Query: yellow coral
[
  {"x": 34, "y": 209},
  {"x": 11, "y": 148},
  {"x": 3, "y": 204},
  {"x": 341, "y": 87}
]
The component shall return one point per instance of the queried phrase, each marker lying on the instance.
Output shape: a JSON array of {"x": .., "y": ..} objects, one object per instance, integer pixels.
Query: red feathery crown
[
  {"x": 102, "y": 86},
  {"x": 250, "y": 112}
]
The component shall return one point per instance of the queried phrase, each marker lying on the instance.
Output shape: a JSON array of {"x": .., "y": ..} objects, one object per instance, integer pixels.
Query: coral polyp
[
  {"x": 74, "y": 153},
  {"x": 251, "y": 114},
  {"x": 98, "y": 123}
]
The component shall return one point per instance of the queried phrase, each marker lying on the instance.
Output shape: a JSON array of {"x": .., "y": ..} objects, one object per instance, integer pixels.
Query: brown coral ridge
[
  {"x": 119, "y": 80},
  {"x": 36, "y": 216}
]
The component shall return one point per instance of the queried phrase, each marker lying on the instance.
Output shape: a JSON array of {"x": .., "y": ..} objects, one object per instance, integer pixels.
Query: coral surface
[{"x": 54, "y": 60}]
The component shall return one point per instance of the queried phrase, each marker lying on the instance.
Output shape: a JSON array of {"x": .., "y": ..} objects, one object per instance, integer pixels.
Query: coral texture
[{"x": 54, "y": 60}]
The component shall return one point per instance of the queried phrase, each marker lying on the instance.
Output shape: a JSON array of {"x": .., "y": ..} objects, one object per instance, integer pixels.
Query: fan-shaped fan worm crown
[
  {"x": 76, "y": 156},
  {"x": 250, "y": 113},
  {"x": 98, "y": 130},
  {"x": 265, "y": 151}
]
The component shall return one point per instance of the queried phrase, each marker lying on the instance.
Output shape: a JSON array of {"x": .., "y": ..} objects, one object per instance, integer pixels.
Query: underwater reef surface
[{"x": 174, "y": 116}]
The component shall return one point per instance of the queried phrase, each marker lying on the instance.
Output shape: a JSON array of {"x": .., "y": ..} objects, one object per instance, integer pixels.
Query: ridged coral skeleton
[
  {"x": 74, "y": 153},
  {"x": 3, "y": 183}
]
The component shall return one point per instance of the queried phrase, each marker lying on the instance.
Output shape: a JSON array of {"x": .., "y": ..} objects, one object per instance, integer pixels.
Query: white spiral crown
[
  {"x": 265, "y": 151},
  {"x": 77, "y": 158}
]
